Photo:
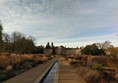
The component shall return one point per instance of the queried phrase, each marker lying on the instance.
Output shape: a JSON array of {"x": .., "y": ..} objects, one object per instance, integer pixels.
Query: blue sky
[{"x": 70, "y": 23}]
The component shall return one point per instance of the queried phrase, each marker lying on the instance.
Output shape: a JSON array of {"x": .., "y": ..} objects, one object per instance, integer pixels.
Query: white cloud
[{"x": 61, "y": 20}]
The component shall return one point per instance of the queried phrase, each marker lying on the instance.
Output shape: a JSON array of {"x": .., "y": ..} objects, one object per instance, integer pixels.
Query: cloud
[{"x": 60, "y": 20}]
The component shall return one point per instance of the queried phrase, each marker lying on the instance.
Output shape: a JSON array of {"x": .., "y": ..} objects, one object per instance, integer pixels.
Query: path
[{"x": 67, "y": 74}]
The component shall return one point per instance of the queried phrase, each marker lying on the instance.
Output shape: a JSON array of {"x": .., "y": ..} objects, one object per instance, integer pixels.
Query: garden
[
  {"x": 96, "y": 69},
  {"x": 15, "y": 64}
]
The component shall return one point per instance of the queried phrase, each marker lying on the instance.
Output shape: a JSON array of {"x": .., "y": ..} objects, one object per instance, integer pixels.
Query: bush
[
  {"x": 100, "y": 60},
  {"x": 83, "y": 70},
  {"x": 3, "y": 77},
  {"x": 74, "y": 62},
  {"x": 116, "y": 77},
  {"x": 9, "y": 68},
  {"x": 98, "y": 67},
  {"x": 112, "y": 62},
  {"x": 89, "y": 75},
  {"x": 14, "y": 64},
  {"x": 4, "y": 61},
  {"x": 11, "y": 74}
]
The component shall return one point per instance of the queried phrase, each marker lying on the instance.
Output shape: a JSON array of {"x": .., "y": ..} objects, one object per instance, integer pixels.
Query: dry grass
[
  {"x": 4, "y": 62},
  {"x": 11, "y": 65},
  {"x": 105, "y": 61},
  {"x": 15, "y": 59},
  {"x": 116, "y": 77},
  {"x": 89, "y": 75}
]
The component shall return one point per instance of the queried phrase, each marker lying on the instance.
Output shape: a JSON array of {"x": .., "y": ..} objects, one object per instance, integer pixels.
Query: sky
[{"x": 69, "y": 23}]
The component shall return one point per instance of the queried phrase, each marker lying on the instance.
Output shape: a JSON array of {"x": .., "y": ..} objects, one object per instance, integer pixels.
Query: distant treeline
[{"x": 18, "y": 43}]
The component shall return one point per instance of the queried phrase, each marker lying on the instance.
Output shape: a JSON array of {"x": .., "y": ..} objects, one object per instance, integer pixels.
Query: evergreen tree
[
  {"x": 1, "y": 41},
  {"x": 52, "y": 45},
  {"x": 48, "y": 46}
]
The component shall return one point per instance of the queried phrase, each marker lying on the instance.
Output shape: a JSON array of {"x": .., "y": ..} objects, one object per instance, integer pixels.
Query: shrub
[
  {"x": 76, "y": 63},
  {"x": 100, "y": 60},
  {"x": 11, "y": 74},
  {"x": 112, "y": 62},
  {"x": 9, "y": 68},
  {"x": 116, "y": 77},
  {"x": 98, "y": 67},
  {"x": 83, "y": 70},
  {"x": 3, "y": 77},
  {"x": 4, "y": 61},
  {"x": 89, "y": 75}
]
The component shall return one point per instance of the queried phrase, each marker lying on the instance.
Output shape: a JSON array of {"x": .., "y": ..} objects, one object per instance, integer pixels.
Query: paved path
[
  {"x": 67, "y": 74},
  {"x": 31, "y": 75}
]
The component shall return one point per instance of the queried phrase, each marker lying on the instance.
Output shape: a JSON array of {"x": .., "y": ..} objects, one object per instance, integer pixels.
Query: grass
[
  {"x": 12, "y": 65},
  {"x": 89, "y": 75},
  {"x": 94, "y": 71}
]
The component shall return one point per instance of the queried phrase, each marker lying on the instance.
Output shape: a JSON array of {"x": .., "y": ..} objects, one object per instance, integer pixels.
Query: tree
[
  {"x": 52, "y": 45},
  {"x": 16, "y": 36},
  {"x": 48, "y": 46},
  {"x": 92, "y": 49},
  {"x": 22, "y": 44},
  {"x": 1, "y": 41},
  {"x": 53, "y": 48},
  {"x": 17, "y": 43},
  {"x": 87, "y": 50},
  {"x": 38, "y": 50},
  {"x": 107, "y": 44},
  {"x": 6, "y": 39},
  {"x": 104, "y": 45},
  {"x": 1, "y": 28}
]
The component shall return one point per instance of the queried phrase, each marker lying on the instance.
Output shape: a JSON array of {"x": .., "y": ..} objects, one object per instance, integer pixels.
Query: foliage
[
  {"x": 104, "y": 45},
  {"x": 116, "y": 77},
  {"x": 99, "y": 60},
  {"x": 89, "y": 75},
  {"x": 97, "y": 67},
  {"x": 104, "y": 61},
  {"x": 52, "y": 45},
  {"x": 1, "y": 41},
  {"x": 113, "y": 52},
  {"x": 38, "y": 50},
  {"x": 112, "y": 62},
  {"x": 9, "y": 68},
  {"x": 87, "y": 50},
  {"x": 11, "y": 65},
  {"x": 92, "y": 50},
  {"x": 48, "y": 46},
  {"x": 3, "y": 77},
  {"x": 18, "y": 43}
]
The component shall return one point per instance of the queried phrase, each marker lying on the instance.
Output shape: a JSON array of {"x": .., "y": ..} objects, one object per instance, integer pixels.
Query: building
[
  {"x": 48, "y": 51},
  {"x": 73, "y": 52},
  {"x": 61, "y": 50}
]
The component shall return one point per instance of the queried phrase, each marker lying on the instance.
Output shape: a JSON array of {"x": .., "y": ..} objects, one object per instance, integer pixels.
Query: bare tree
[
  {"x": 104, "y": 45},
  {"x": 6, "y": 39}
]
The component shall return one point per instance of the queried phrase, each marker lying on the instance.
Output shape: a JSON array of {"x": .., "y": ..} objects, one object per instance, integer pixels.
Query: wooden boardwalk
[{"x": 67, "y": 74}]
